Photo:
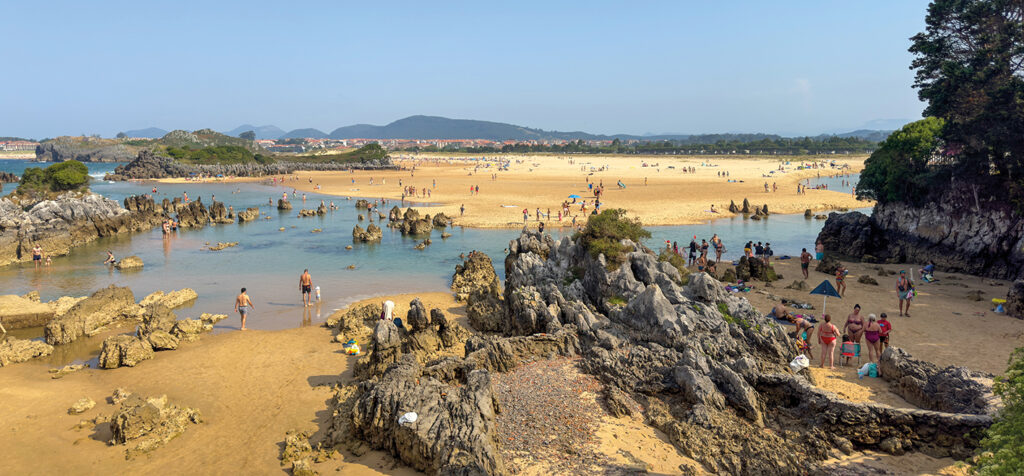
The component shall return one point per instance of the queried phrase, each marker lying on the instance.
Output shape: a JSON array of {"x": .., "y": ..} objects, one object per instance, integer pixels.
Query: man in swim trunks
[
  {"x": 306, "y": 286},
  {"x": 780, "y": 312},
  {"x": 243, "y": 306},
  {"x": 805, "y": 262},
  {"x": 37, "y": 255}
]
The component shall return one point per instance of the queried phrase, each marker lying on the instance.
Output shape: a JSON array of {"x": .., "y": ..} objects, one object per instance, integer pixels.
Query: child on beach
[{"x": 883, "y": 335}]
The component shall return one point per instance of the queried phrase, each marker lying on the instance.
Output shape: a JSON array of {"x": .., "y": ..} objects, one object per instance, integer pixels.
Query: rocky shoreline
[
  {"x": 957, "y": 231},
  {"x": 149, "y": 166},
  {"x": 699, "y": 364},
  {"x": 70, "y": 220}
]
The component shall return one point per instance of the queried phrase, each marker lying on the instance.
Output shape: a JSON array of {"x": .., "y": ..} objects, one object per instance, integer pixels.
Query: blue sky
[{"x": 794, "y": 67}]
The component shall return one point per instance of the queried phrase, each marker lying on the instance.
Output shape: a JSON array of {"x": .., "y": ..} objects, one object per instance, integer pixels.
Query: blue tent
[
  {"x": 825, "y": 289},
  {"x": 574, "y": 196}
]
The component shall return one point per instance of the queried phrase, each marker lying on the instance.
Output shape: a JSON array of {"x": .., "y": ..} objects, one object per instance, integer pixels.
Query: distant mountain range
[{"x": 434, "y": 127}]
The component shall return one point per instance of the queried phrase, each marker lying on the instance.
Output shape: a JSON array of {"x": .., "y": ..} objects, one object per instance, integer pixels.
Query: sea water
[{"x": 268, "y": 261}]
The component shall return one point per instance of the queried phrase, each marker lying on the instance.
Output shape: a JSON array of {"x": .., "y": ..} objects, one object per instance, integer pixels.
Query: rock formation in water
[
  {"x": 707, "y": 369},
  {"x": 372, "y": 234},
  {"x": 956, "y": 231},
  {"x": 13, "y": 350},
  {"x": 147, "y": 165},
  {"x": 63, "y": 149},
  {"x": 69, "y": 220},
  {"x": 7, "y": 177},
  {"x": 90, "y": 315}
]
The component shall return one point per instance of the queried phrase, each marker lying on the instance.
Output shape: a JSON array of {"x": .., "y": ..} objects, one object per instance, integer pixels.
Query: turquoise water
[{"x": 268, "y": 262}]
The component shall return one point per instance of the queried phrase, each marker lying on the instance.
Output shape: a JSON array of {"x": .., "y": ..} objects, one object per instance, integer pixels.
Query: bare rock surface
[
  {"x": 91, "y": 314},
  {"x": 145, "y": 424},
  {"x": 129, "y": 262},
  {"x": 13, "y": 351},
  {"x": 124, "y": 351},
  {"x": 952, "y": 389}
]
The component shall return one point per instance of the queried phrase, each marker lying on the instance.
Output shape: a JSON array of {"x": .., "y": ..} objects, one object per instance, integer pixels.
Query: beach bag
[
  {"x": 398, "y": 322},
  {"x": 799, "y": 363}
]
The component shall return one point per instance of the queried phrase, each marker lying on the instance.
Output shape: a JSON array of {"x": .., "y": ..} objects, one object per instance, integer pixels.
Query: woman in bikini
[
  {"x": 872, "y": 335},
  {"x": 841, "y": 280},
  {"x": 827, "y": 334},
  {"x": 854, "y": 326}
]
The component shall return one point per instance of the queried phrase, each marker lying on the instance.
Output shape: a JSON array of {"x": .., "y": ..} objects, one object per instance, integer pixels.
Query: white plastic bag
[
  {"x": 864, "y": 370},
  {"x": 799, "y": 363},
  {"x": 408, "y": 418}
]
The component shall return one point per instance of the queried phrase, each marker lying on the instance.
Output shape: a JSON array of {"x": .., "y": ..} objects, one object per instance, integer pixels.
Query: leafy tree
[
  {"x": 248, "y": 135},
  {"x": 121, "y": 135},
  {"x": 970, "y": 71},
  {"x": 899, "y": 170},
  {"x": 604, "y": 234},
  {"x": 1002, "y": 449},
  {"x": 67, "y": 175}
]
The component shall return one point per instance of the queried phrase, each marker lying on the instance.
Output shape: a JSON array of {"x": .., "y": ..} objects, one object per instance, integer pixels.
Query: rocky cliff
[
  {"x": 69, "y": 220},
  {"x": 703, "y": 365},
  {"x": 63, "y": 149},
  {"x": 958, "y": 232},
  {"x": 149, "y": 166}
]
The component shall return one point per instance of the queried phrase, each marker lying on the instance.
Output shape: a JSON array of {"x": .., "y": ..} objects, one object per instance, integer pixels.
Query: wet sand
[{"x": 669, "y": 197}]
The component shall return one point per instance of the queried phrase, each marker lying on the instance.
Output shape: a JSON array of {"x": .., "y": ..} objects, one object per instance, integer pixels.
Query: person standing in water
[
  {"x": 37, "y": 255},
  {"x": 243, "y": 306},
  {"x": 306, "y": 286}
]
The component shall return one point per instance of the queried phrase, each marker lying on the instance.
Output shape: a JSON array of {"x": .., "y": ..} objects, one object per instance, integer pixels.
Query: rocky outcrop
[
  {"x": 249, "y": 214},
  {"x": 129, "y": 263},
  {"x": 952, "y": 389},
  {"x": 67, "y": 148},
  {"x": 220, "y": 214},
  {"x": 92, "y": 314},
  {"x": 955, "y": 230},
  {"x": 372, "y": 234},
  {"x": 65, "y": 222},
  {"x": 13, "y": 351},
  {"x": 171, "y": 300},
  {"x": 385, "y": 349},
  {"x": 7, "y": 177},
  {"x": 475, "y": 273},
  {"x": 420, "y": 226},
  {"x": 283, "y": 204},
  {"x": 17, "y": 312},
  {"x": 440, "y": 220},
  {"x": 193, "y": 214},
  {"x": 756, "y": 269},
  {"x": 1015, "y": 300},
  {"x": 454, "y": 428},
  {"x": 145, "y": 424},
  {"x": 124, "y": 351},
  {"x": 146, "y": 165}
]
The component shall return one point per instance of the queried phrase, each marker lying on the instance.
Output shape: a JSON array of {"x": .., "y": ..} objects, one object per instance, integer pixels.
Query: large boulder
[
  {"x": 124, "y": 351},
  {"x": 17, "y": 312},
  {"x": 756, "y": 269},
  {"x": 193, "y": 215},
  {"x": 283, "y": 204},
  {"x": 454, "y": 432},
  {"x": 220, "y": 214},
  {"x": 953, "y": 389},
  {"x": 91, "y": 314},
  {"x": 1015, "y": 300},
  {"x": 440, "y": 220},
  {"x": 13, "y": 351},
  {"x": 420, "y": 226},
  {"x": 476, "y": 272},
  {"x": 130, "y": 262},
  {"x": 417, "y": 317},
  {"x": 828, "y": 265},
  {"x": 250, "y": 214},
  {"x": 385, "y": 349},
  {"x": 171, "y": 300},
  {"x": 372, "y": 234},
  {"x": 148, "y": 423}
]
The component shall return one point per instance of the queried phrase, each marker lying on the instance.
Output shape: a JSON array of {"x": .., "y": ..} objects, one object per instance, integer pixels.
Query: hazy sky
[{"x": 793, "y": 67}]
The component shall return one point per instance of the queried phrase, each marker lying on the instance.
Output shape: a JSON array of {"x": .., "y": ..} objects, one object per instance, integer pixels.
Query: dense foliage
[
  {"x": 731, "y": 146},
  {"x": 899, "y": 170},
  {"x": 372, "y": 152},
  {"x": 605, "y": 231},
  {"x": 70, "y": 175},
  {"x": 221, "y": 154},
  {"x": 970, "y": 71},
  {"x": 1003, "y": 446}
]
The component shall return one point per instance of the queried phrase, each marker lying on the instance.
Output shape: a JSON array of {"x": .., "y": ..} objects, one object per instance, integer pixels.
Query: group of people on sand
[{"x": 875, "y": 332}]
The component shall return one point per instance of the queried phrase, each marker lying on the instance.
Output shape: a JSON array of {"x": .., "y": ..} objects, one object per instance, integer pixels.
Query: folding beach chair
[{"x": 849, "y": 350}]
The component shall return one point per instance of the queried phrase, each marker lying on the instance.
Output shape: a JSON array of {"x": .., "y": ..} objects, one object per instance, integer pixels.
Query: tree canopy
[
  {"x": 60, "y": 177},
  {"x": 969, "y": 66},
  {"x": 901, "y": 169},
  {"x": 1002, "y": 450}
]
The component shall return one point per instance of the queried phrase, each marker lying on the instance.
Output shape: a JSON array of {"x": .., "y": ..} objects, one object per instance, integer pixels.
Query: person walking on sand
[
  {"x": 871, "y": 335},
  {"x": 805, "y": 262},
  {"x": 827, "y": 334},
  {"x": 883, "y": 335},
  {"x": 243, "y": 306},
  {"x": 306, "y": 286},
  {"x": 841, "y": 280},
  {"x": 905, "y": 289},
  {"x": 37, "y": 255},
  {"x": 462, "y": 209}
]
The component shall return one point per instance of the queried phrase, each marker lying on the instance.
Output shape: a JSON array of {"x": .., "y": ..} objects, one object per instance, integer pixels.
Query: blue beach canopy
[
  {"x": 825, "y": 289},
  {"x": 574, "y": 196}
]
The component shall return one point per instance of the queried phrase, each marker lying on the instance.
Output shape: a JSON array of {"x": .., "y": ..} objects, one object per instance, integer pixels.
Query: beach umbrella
[
  {"x": 825, "y": 289},
  {"x": 574, "y": 196}
]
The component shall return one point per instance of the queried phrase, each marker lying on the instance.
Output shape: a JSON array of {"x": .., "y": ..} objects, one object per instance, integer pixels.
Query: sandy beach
[{"x": 661, "y": 193}]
